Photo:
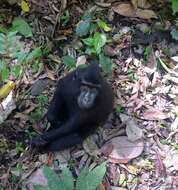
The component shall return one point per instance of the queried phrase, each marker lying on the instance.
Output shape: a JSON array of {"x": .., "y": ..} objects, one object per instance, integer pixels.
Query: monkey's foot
[{"x": 37, "y": 142}]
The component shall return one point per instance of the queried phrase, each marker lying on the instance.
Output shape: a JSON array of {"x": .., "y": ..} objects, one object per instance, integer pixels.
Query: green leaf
[
  {"x": 87, "y": 15},
  {"x": 22, "y": 27},
  {"x": 93, "y": 28},
  {"x": 25, "y": 6},
  {"x": 103, "y": 26},
  {"x": 2, "y": 48},
  {"x": 16, "y": 70},
  {"x": 175, "y": 6},
  {"x": 91, "y": 180},
  {"x": 2, "y": 43},
  {"x": 53, "y": 180},
  {"x": 56, "y": 183},
  {"x": 90, "y": 51},
  {"x": 99, "y": 42},
  {"x": 35, "y": 54},
  {"x": 5, "y": 73},
  {"x": 88, "y": 41},
  {"x": 2, "y": 64},
  {"x": 96, "y": 43},
  {"x": 67, "y": 179},
  {"x": 20, "y": 56},
  {"x": 81, "y": 177},
  {"x": 174, "y": 34},
  {"x": 69, "y": 61},
  {"x": 83, "y": 27},
  {"x": 35, "y": 67},
  {"x": 119, "y": 108},
  {"x": 3, "y": 29},
  {"x": 106, "y": 63}
]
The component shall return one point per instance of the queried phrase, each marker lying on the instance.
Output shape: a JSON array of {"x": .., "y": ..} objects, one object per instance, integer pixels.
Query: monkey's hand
[{"x": 38, "y": 142}]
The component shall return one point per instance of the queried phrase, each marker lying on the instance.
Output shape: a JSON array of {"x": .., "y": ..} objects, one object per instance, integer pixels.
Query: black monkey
[{"x": 83, "y": 99}]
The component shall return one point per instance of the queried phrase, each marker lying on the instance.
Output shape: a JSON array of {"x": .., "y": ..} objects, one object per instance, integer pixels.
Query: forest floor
[{"x": 140, "y": 57}]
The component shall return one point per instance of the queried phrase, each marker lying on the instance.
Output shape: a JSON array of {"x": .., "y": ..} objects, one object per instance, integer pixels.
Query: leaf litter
[{"x": 141, "y": 142}]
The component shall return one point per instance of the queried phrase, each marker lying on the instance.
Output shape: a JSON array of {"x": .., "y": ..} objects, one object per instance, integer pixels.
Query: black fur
[{"x": 70, "y": 123}]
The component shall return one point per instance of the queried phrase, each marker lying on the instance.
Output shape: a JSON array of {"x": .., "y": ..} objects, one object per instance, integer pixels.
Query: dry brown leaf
[
  {"x": 50, "y": 73},
  {"x": 132, "y": 130},
  {"x": 159, "y": 166},
  {"x": 123, "y": 150},
  {"x": 37, "y": 178},
  {"x": 144, "y": 83},
  {"x": 145, "y": 14},
  {"x": 125, "y": 9},
  {"x": 6, "y": 107},
  {"x": 155, "y": 114},
  {"x": 141, "y": 3},
  {"x": 90, "y": 146}
]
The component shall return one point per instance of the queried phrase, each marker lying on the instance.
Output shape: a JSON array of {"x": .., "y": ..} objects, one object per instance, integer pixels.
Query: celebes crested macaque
[{"x": 83, "y": 100}]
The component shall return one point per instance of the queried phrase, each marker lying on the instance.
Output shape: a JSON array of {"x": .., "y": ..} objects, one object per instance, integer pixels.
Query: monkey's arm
[
  {"x": 66, "y": 128},
  {"x": 55, "y": 108}
]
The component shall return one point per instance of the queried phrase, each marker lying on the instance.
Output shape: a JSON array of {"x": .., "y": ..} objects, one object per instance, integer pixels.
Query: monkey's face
[
  {"x": 87, "y": 97},
  {"x": 90, "y": 80}
]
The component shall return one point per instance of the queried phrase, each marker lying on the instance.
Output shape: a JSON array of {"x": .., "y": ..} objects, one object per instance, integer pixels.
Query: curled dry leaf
[
  {"x": 123, "y": 150},
  {"x": 175, "y": 58},
  {"x": 171, "y": 161},
  {"x": 38, "y": 87},
  {"x": 133, "y": 131},
  {"x": 37, "y": 178},
  {"x": 155, "y": 114},
  {"x": 141, "y": 3},
  {"x": 126, "y": 9},
  {"x": 50, "y": 73},
  {"x": 144, "y": 83},
  {"x": 90, "y": 146},
  {"x": 6, "y": 107},
  {"x": 117, "y": 188},
  {"x": 109, "y": 51},
  {"x": 145, "y": 14}
]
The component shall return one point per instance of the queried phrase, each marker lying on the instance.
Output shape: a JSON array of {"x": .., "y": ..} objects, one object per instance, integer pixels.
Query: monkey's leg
[{"x": 64, "y": 142}]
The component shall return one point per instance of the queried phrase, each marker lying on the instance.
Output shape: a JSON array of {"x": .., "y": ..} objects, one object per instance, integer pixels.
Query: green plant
[
  {"x": 69, "y": 62},
  {"x": 147, "y": 53},
  {"x": 130, "y": 74},
  {"x": 105, "y": 63},
  {"x": 14, "y": 55},
  {"x": 90, "y": 25},
  {"x": 119, "y": 108},
  {"x": 19, "y": 147},
  {"x": 174, "y": 6},
  {"x": 65, "y": 18},
  {"x": 21, "y": 26},
  {"x": 95, "y": 43},
  {"x": 37, "y": 114},
  {"x": 174, "y": 34},
  {"x": 39, "y": 111},
  {"x": 96, "y": 30},
  {"x": 88, "y": 179}
]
